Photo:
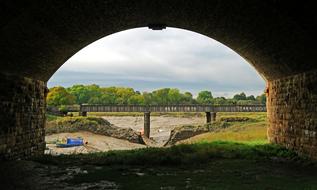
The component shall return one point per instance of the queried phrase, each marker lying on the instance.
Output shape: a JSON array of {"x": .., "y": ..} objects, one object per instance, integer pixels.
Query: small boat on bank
[{"x": 71, "y": 142}]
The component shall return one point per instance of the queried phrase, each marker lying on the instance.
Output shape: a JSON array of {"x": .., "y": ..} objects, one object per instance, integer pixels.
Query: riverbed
[{"x": 161, "y": 127}]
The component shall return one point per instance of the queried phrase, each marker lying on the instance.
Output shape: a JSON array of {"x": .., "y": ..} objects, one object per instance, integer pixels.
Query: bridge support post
[
  {"x": 147, "y": 124},
  {"x": 213, "y": 116},
  {"x": 84, "y": 114},
  {"x": 210, "y": 117}
]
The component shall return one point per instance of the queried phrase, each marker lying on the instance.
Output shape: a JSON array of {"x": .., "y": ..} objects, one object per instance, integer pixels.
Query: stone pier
[
  {"x": 292, "y": 112},
  {"x": 22, "y": 103}
]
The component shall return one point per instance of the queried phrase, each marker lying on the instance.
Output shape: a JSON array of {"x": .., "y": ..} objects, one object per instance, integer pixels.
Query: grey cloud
[{"x": 146, "y": 59}]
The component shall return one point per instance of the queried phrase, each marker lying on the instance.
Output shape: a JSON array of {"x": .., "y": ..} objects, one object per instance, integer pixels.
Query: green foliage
[
  {"x": 261, "y": 99},
  {"x": 136, "y": 99},
  {"x": 205, "y": 97},
  {"x": 240, "y": 96},
  {"x": 94, "y": 94},
  {"x": 51, "y": 117},
  {"x": 59, "y": 96},
  {"x": 84, "y": 93}
]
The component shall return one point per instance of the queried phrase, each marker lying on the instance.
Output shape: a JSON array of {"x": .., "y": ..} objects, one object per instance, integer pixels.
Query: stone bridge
[{"x": 276, "y": 37}]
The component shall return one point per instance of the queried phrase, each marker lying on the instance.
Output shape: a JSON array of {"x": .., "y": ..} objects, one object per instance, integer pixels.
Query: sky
[{"x": 147, "y": 60}]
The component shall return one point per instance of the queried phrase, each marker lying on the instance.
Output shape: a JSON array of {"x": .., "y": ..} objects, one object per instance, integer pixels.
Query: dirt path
[
  {"x": 161, "y": 126},
  {"x": 96, "y": 143}
]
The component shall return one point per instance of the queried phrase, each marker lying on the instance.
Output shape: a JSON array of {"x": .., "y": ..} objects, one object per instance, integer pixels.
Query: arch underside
[
  {"x": 276, "y": 37},
  {"x": 38, "y": 38}
]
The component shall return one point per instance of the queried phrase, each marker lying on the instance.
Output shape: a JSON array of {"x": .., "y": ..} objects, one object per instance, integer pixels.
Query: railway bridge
[{"x": 210, "y": 110}]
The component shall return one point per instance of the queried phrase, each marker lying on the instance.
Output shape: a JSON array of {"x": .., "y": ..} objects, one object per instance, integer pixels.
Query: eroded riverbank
[{"x": 161, "y": 126}]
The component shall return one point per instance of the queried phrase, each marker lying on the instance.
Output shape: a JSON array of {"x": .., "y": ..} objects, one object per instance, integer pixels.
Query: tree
[
  {"x": 240, "y": 96},
  {"x": 136, "y": 99},
  {"x": 123, "y": 95},
  {"x": 174, "y": 96},
  {"x": 250, "y": 98},
  {"x": 148, "y": 98},
  {"x": 261, "y": 99},
  {"x": 59, "y": 96},
  {"x": 220, "y": 101},
  {"x": 205, "y": 97},
  {"x": 187, "y": 98},
  {"x": 160, "y": 96},
  {"x": 84, "y": 93}
]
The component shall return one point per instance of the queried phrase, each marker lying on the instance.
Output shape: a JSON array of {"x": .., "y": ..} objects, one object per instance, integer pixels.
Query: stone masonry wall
[
  {"x": 22, "y": 117},
  {"x": 292, "y": 112}
]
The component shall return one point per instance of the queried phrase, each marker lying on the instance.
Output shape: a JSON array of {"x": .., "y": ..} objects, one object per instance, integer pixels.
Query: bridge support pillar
[
  {"x": 210, "y": 117},
  {"x": 22, "y": 111},
  {"x": 292, "y": 113},
  {"x": 147, "y": 124},
  {"x": 84, "y": 114}
]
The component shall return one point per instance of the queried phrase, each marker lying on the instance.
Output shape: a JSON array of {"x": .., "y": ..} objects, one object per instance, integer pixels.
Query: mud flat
[{"x": 96, "y": 143}]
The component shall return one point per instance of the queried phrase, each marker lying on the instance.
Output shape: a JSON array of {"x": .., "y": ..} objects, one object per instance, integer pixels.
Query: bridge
[
  {"x": 210, "y": 110},
  {"x": 37, "y": 38}
]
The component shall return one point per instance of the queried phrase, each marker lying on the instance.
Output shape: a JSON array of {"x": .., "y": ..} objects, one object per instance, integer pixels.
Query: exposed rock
[{"x": 185, "y": 132}]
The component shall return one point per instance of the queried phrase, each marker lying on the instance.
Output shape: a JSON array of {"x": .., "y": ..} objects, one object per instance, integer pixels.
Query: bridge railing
[{"x": 173, "y": 108}]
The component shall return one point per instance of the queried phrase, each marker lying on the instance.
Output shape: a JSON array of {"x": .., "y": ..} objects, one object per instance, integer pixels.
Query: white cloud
[{"x": 171, "y": 56}]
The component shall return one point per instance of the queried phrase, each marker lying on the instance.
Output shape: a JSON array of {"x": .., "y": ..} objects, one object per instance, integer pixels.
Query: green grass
[
  {"x": 50, "y": 117},
  {"x": 198, "y": 153},
  {"x": 252, "y": 131},
  {"x": 74, "y": 124}
]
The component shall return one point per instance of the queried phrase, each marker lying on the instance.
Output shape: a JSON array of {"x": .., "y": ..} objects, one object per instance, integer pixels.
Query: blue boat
[{"x": 71, "y": 142}]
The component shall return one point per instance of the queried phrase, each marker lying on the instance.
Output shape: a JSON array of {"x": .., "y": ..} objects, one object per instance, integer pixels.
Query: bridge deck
[{"x": 173, "y": 108}]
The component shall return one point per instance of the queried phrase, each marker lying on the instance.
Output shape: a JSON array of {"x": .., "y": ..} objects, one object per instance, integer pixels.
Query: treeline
[{"x": 94, "y": 94}]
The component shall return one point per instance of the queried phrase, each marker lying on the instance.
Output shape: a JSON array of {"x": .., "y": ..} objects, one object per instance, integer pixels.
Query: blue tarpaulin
[{"x": 70, "y": 142}]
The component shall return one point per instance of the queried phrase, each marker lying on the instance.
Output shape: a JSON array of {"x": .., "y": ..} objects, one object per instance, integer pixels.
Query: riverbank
[{"x": 218, "y": 165}]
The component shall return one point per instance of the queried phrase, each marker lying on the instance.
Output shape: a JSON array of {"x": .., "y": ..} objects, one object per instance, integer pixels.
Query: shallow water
[{"x": 219, "y": 174}]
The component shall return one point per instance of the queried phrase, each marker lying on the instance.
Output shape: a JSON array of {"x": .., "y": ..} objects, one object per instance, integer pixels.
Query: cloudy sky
[{"x": 146, "y": 60}]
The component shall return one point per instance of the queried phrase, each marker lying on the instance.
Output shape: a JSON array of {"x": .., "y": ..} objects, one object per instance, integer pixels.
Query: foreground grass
[
  {"x": 177, "y": 155},
  {"x": 238, "y": 132}
]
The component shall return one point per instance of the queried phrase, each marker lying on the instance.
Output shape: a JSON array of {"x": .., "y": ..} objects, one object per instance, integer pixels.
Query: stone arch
[{"x": 275, "y": 37}]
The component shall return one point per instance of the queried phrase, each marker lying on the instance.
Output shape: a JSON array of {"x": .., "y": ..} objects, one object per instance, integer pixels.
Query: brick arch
[{"x": 277, "y": 38}]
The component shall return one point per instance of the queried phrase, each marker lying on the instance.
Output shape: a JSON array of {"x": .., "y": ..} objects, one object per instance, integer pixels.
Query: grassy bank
[
  {"x": 253, "y": 130},
  {"x": 74, "y": 124},
  {"x": 198, "y": 153}
]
